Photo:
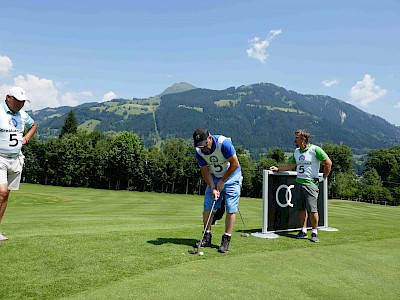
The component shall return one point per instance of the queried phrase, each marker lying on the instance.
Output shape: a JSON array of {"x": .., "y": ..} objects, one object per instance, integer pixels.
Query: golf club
[
  {"x": 208, "y": 221},
  {"x": 244, "y": 225}
]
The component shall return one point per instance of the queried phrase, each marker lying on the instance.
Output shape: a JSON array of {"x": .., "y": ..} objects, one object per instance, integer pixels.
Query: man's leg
[
  {"x": 303, "y": 218},
  {"x": 312, "y": 202},
  {"x": 232, "y": 195},
  {"x": 206, "y": 237},
  {"x": 226, "y": 238},
  {"x": 303, "y": 223},
  {"x": 314, "y": 217},
  {"x": 208, "y": 205},
  {"x": 300, "y": 205},
  {"x": 314, "y": 222},
  {"x": 206, "y": 215},
  {"x": 229, "y": 222},
  {"x": 4, "y": 193},
  {"x": 10, "y": 178}
]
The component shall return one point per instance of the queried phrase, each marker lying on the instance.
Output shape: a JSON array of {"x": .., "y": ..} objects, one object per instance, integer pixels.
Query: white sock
[
  {"x": 315, "y": 231},
  {"x": 304, "y": 229},
  {"x": 228, "y": 234},
  {"x": 208, "y": 231}
]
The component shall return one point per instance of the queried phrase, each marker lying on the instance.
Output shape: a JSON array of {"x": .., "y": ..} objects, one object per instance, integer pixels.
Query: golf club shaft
[
  {"x": 208, "y": 221},
  {"x": 244, "y": 225}
]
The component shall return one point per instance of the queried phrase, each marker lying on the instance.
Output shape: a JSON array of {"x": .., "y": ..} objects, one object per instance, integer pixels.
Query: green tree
[
  {"x": 126, "y": 160},
  {"x": 345, "y": 186},
  {"x": 372, "y": 178},
  {"x": 70, "y": 124},
  {"x": 193, "y": 175},
  {"x": 257, "y": 180},
  {"x": 394, "y": 177},
  {"x": 247, "y": 167},
  {"x": 396, "y": 195},
  {"x": 154, "y": 171},
  {"x": 34, "y": 166},
  {"x": 98, "y": 176},
  {"x": 277, "y": 154},
  {"x": 340, "y": 156},
  {"x": 176, "y": 153},
  {"x": 76, "y": 152},
  {"x": 51, "y": 162},
  {"x": 385, "y": 162},
  {"x": 375, "y": 194}
]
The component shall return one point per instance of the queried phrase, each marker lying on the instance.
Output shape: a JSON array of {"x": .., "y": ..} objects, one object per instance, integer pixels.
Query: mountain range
[{"x": 257, "y": 117}]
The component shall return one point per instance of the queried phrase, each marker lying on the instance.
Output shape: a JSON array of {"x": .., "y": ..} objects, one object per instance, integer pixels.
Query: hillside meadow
[{"x": 77, "y": 243}]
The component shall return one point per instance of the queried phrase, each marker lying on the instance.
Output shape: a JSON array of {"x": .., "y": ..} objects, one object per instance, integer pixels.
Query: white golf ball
[{"x": 201, "y": 253}]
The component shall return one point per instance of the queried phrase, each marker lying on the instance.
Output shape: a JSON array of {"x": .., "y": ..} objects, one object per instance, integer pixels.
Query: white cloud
[
  {"x": 5, "y": 65},
  {"x": 109, "y": 96},
  {"x": 41, "y": 92},
  {"x": 366, "y": 91},
  {"x": 74, "y": 99},
  {"x": 329, "y": 83},
  {"x": 259, "y": 46},
  {"x": 45, "y": 93}
]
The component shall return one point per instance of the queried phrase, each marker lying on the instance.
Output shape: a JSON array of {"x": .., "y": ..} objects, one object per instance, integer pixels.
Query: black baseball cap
[{"x": 200, "y": 137}]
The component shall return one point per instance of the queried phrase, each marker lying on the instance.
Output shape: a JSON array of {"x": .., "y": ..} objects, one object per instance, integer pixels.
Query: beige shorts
[{"x": 11, "y": 170}]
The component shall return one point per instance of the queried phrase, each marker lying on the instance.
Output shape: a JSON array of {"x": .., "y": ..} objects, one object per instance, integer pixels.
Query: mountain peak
[{"x": 177, "y": 88}]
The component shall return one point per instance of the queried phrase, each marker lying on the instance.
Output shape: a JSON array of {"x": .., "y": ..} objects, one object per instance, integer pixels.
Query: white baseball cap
[{"x": 18, "y": 93}]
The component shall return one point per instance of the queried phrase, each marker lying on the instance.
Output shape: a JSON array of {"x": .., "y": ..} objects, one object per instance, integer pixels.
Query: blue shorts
[{"x": 231, "y": 194}]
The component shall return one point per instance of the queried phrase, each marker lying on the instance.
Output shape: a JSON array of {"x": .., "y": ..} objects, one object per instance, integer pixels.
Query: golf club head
[{"x": 193, "y": 251}]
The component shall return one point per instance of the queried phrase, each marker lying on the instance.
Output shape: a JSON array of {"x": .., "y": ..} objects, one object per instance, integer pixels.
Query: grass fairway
[{"x": 75, "y": 243}]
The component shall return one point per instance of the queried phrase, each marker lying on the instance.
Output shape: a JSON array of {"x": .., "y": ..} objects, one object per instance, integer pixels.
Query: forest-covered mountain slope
[{"x": 257, "y": 116}]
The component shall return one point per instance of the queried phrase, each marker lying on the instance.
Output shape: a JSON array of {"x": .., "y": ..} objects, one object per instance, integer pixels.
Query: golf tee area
[{"x": 81, "y": 243}]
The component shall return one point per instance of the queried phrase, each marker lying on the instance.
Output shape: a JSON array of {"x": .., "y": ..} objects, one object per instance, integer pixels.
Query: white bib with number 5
[
  {"x": 307, "y": 163},
  {"x": 11, "y": 132}
]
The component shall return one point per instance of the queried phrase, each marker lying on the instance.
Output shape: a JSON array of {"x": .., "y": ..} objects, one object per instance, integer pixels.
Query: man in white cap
[{"x": 13, "y": 121}]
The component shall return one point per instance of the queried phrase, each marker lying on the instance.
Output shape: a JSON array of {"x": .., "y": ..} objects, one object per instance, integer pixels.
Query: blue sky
[{"x": 73, "y": 52}]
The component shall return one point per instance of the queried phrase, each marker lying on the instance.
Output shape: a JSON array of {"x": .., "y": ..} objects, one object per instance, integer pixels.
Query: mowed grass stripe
[
  {"x": 134, "y": 245},
  {"x": 336, "y": 272}
]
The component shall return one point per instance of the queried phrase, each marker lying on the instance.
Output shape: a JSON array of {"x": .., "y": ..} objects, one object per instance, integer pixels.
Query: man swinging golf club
[{"x": 221, "y": 171}]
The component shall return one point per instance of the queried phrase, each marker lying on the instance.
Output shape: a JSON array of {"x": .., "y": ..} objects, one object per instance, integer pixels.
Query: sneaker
[
  {"x": 2, "y": 237},
  {"x": 206, "y": 242},
  {"x": 226, "y": 239},
  {"x": 314, "y": 238},
  {"x": 301, "y": 235}
]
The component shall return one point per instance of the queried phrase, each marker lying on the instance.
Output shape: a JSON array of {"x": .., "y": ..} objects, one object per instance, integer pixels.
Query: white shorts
[{"x": 11, "y": 170}]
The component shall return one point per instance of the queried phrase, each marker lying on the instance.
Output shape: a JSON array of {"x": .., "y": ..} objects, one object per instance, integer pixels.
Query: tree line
[{"x": 121, "y": 161}]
